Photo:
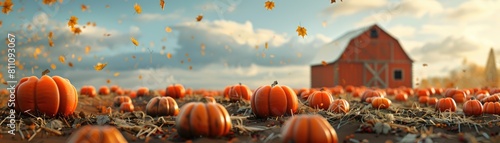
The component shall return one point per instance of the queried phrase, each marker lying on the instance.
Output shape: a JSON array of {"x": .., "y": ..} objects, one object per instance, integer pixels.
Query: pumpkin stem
[
  {"x": 274, "y": 83},
  {"x": 322, "y": 89},
  {"x": 45, "y": 72},
  {"x": 240, "y": 83}
]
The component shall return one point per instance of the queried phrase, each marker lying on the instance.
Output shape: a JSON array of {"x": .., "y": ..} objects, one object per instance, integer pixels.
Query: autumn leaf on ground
[
  {"x": 301, "y": 31},
  {"x": 72, "y": 21},
  {"x": 62, "y": 59},
  {"x": 100, "y": 66},
  {"x": 76, "y": 30},
  {"x": 269, "y": 5},
  {"x": 135, "y": 42},
  {"x": 49, "y": 2},
  {"x": 137, "y": 8},
  {"x": 324, "y": 63},
  {"x": 53, "y": 66},
  {"x": 169, "y": 55},
  {"x": 162, "y": 4},
  {"x": 266, "y": 45},
  {"x": 116, "y": 74},
  {"x": 199, "y": 18},
  {"x": 84, "y": 7},
  {"x": 168, "y": 29},
  {"x": 7, "y": 6},
  {"x": 87, "y": 50},
  {"x": 70, "y": 64}
]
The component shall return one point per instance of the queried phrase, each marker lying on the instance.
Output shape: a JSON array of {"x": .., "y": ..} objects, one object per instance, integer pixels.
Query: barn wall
[
  {"x": 350, "y": 74},
  {"x": 322, "y": 76},
  {"x": 407, "y": 75}
]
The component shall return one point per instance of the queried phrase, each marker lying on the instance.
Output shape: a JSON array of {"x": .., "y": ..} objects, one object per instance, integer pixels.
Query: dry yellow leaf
[
  {"x": 199, "y": 18},
  {"x": 301, "y": 31},
  {"x": 134, "y": 41},
  {"x": 137, "y": 8},
  {"x": 169, "y": 55},
  {"x": 70, "y": 64},
  {"x": 53, "y": 66},
  {"x": 87, "y": 50},
  {"x": 324, "y": 63},
  {"x": 72, "y": 21},
  {"x": 72, "y": 56},
  {"x": 79, "y": 58},
  {"x": 100, "y": 66},
  {"x": 108, "y": 81},
  {"x": 1, "y": 22},
  {"x": 190, "y": 67},
  {"x": 162, "y": 4},
  {"x": 140, "y": 76},
  {"x": 84, "y": 7},
  {"x": 202, "y": 46},
  {"x": 266, "y": 45},
  {"x": 116, "y": 74},
  {"x": 62, "y": 59},
  {"x": 7, "y": 6},
  {"x": 107, "y": 6},
  {"x": 51, "y": 34},
  {"x": 269, "y": 5},
  {"x": 168, "y": 29},
  {"x": 76, "y": 30},
  {"x": 51, "y": 43},
  {"x": 49, "y": 2}
]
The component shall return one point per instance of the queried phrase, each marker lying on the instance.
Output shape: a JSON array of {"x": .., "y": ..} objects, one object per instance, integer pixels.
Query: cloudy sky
[{"x": 233, "y": 34}]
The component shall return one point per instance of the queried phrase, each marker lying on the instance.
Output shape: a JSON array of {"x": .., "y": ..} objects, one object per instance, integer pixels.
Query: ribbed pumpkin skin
[
  {"x": 274, "y": 100},
  {"x": 48, "y": 95},
  {"x": 143, "y": 91},
  {"x": 320, "y": 100},
  {"x": 175, "y": 91},
  {"x": 240, "y": 91},
  {"x": 96, "y": 134},
  {"x": 89, "y": 91},
  {"x": 308, "y": 129},
  {"x": 491, "y": 108},
  {"x": 118, "y": 100},
  {"x": 339, "y": 106},
  {"x": 446, "y": 105},
  {"x": 473, "y": 108},
  {"x": 162, "y": 106},
  {"x": 203, "y": 119}
]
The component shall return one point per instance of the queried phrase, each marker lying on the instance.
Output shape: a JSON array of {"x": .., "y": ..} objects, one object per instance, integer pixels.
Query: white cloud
[
  {"x": 472, "y": 10},
  {"x": 349, "y": 7},
  {"x": 402, "y": 31},
  {"x": 449, "y": 48},
  {"x": 418, "y": 8},
  {"x": 147, "y": 17}
]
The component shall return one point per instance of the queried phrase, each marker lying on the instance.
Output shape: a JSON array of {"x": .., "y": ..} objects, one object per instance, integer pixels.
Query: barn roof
[{"x": 332, "y": 51}]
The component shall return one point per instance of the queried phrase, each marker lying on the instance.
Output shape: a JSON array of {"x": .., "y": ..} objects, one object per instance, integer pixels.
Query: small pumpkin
[
  {"x": 349, "y": 89},
  {"x": 48, "y": 95},
  {"x": 226, "y": 92},
  {"x": 473, "y": 108},
  {"x": 132, "y": 94},
  {"x": 162, "y": 106},
  {"x": 431, "y": 90},
  {"x": 320, "y": 99},
  {"x": 118, "y": 100},
  {"x": 88, "y": 90},
  {"x": 304, "y": 95},
  {"x": 491, "y": 108},
  {"x": 119, "y": 92},
  {"x": 423, "y": 92},
  {"x": 460, "y": 96},
  {"x": 337, "y": 90},
  {"x": 274, "y": 100},
  {"x": 175, "y": 91},
  {"x": 492, "y": 98},
  {"x": 339, "y": 106},
  {"x": 104, "y": 90},
  {"x": 481, "y": 96},
  {"x": 450, "y": 92},
  {"x": 446, "y": 104},
  {"x": 127, "y": 107},
  {"x": 369, "y": 93},
  {"x": 306, "y": 128},
  {"x": 96, "y": 134},
  {"x": 208, "y": 99},
  {"x": 423, "y": 99},
  {"x": 197, "y": 119},
  {"x": 381, "y": 103},
  {"x": 142, "y": 91},
  {"x": 432, "y": 101},
  {"x": 240, "y": 92},
  {"x": 401, "y": 96},
  {"x": 439, "y": 91},
  {"x": 114, "y": 88}
]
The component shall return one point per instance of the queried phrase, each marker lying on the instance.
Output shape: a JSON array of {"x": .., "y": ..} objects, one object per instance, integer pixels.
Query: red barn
[{"x": 368, "y": 56}]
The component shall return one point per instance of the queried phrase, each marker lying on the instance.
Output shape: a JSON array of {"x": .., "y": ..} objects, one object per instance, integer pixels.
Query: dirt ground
[{"x": 269, "y": 129}]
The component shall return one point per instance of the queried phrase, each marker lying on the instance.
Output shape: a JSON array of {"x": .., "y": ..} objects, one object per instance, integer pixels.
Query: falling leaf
[
  {"x": 140, "y": 76},
  {"x": 1, "y": 22},
  {"x": 187, "y": 54},
  {"x": 169, "y": 56},
  {"x": 70, "y": 64},
  {"x": 137, "y": 8},
  {"x": 51, "y": 43},
  {"x": 46, "y": 71},
  {"x": 76, "y": 30},
  {"x": 53, "y": 66},
  {"x": 93, "y": 24},
  {"x": 108, "y": 81},
  {"x": 51, "y": 34},
  {"x": 135, "y": 42},
  {"x": 164, "y": 47},
  {"x": 79, "y": 58},
  {"x": 266, "y": 45},
  {"x": 202, "y": 46},
  {"x": 189, "y": 59},
  {"x": 162, "y": 4},
  {"x": 269, "y": 5},
  {"x": 100, "y": 66},
  {"x": 62, "y": 59},
  {"x": 333, "y": 1},
  {"x": 182, "y": 61},
  {"x": 84, "y": 7},
  {"x": 72, "y": 21},
  {"x": 49, "y": 2},
  {"x": 324, "y": 23},
  {"x": 301, "y": 31},
  {"x": 87, "y": 50},
  {"x": 107, "y": 6},
  {"x": 7, "y": 6},
  {"x": 107, "y": 35},
  {"x": 424, "y": 65},
  {"x": 116, "y": 74},
  {"x": 199, "y": 18},
  {"x": 190, "y": 67},
  {"x": 133, "y": 57},
  {"x": 168, "y": 29},
  {"x": 324, "y": 63}
]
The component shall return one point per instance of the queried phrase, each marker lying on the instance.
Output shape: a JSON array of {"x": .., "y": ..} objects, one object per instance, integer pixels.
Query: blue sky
[{"x": 439, "y": 33}]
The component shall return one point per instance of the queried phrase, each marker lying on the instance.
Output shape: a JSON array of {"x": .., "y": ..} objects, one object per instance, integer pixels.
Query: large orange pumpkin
[
  {"x": 239, "y": 92},
  {"x": 162, "y": 106},
  {"x": 88, "y": 90},
  {"x": 274, "y": 100},
  {"x": 104, "y": 90},
  {"x": 142, "y": 91},
  {"x": 175, "y": 91},
  {"x": 473, "y": 108},
  {"x": 48, "y": 95},
  {"x": 96, "y": 134},
  {"x": 320, "y": 99},
  {"x": 203, "y": 119},
  {"x": 380, "y": 103},
  {"x": 339, "y": 106},
  {"x": 446, "y": 105},
  {"x": 491, "y": 108},
  {"x": 308, "y": 129}
]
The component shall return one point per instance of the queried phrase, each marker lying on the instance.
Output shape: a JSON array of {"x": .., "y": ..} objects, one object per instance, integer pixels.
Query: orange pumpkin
[
  {"x": 132, "y": 94},
  {"x": 161, "y": 92},
  {"x": 96, "y": 134},
  {"x": 226, "y": 91},
  {"x": 308, "y": 129},
  {"x": 492, "y": 108},
  {"x": 88, "y": 90},
  {"x": 142, "y": 91},
  {"x": 337, "y": 90},
  {"x": 357, "y": 93},
  {"x": 369, "y": 93},
  {"x": 339, "y": 106},
  {"x": 274, "y": 100},
  {"x": 127, "y": 107},
  {"x": 301, "y": 90},
  {"x": 401, "y": 96},
  {"x": 460, "y": 96},
  {"x": 305, "y": 94},
  {"x": 320, "y": 99},
  {"x": 369, "y": 99},
  {"x": 431, "y": 90},
  {"x": 208, "y": 100},
  {"x": 162, "y": 106},
  {"x": 114, "y": 88},
  {"x": 349, "y": 89},
  {"x": 446, "y": 105},
  {"x": 423, "y": 99},
  {"x": 439, "y": 91},
  {"x": 175, "y": 91},
  {"x": 203, "y": 119},
  {"x": 481, "y": 96},
  {"x": 121, "y": 99},
  {"x": 119, "y": 92},
  {"x": 473, "y": 108},
  {"x": 239, "y": 92},
  {"x": 423, "y": 92},
  {"x": 189, "y": 92},
  {"x": 48, "y": 95},
  {"x": 432, "y": 101},
  {"x": 381, "y": 103},
  {"x": 450, "y": 92},
  {"x": 482, "y": 92},
  {"x": 104, "y": 90},
  {"x": 492, "y": 98}
]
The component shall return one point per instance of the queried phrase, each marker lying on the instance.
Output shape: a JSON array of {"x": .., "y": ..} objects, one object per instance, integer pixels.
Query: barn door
[{"x": 376, "y": 74}]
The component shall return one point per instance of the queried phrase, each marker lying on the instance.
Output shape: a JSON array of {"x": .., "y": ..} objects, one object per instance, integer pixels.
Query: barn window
[
  {"x": 398, "y": 74},
  {"x": 373, "y": 33}
]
